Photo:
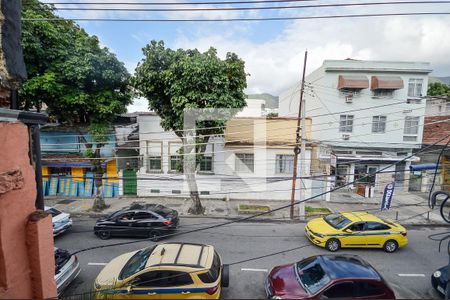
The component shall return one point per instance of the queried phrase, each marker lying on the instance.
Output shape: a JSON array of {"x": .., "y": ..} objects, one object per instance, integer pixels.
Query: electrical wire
[
  {"x": 250, "y": 7},
  {"x": 159, "y": 3},
  {"x": 243, "y": 19}
]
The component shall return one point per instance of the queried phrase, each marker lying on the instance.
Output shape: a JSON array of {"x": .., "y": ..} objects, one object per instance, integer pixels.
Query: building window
[
  {"x": 154, "y": 164},
  {"x": 346, "y": 123},
  {"x": 175, "y": 161},
  {"x": 244, "y": 162},
  {"x": 383, "y": 93},
  {"x": 284, "y": 163},
  {"x": 411, "y": 138},
  {"x": 415, "y": 87},
  {"x": 411, "y": 125},
  {"x": 206, "y": 164},
  {"x": 378, "y": 124}
]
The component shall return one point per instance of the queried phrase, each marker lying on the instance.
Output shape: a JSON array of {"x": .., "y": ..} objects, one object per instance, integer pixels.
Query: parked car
[
  {"x": 61, "y": 220},
  {"x": 170, "y": 270},
  {"x": 439, "y": 280},
  {"x": 149, "y": 220},
  {"x": 67, "y": 269},
  {"x": 327, "y": 276},
  {"x": 356, "y": 230}
]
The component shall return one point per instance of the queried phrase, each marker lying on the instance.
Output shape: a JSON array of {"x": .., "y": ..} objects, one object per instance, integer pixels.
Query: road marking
[
  {"x": 254, "y": 270},
  {"x": 97, "y": 264},
  {"x": 411, "y": 275}
]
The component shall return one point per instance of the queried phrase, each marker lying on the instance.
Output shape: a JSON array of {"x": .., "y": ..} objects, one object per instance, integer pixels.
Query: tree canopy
[
  {"x": 438, "y": 89},
  {"x": 176, "y": 80},
  {"x": 79, "y": 81}
]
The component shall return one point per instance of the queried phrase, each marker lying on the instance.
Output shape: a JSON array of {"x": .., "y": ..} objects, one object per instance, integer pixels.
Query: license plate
[{"x": 441, "y": 289}]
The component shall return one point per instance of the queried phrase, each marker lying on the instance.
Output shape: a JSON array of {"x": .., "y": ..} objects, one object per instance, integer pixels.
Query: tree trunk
[
  {"x": 189, "y": 167},
  {"x": 99, "y": 201}
]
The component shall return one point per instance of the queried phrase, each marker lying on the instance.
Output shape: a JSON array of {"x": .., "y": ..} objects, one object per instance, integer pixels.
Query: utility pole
[{"x": 299, "y": 139}]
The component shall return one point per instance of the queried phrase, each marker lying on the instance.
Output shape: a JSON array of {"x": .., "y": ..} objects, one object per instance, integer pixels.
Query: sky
[{"x": 273, "y": 50}]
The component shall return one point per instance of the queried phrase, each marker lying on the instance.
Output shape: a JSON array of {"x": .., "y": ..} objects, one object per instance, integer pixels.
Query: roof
[
  {"x": 437, "y": 131},
  {"x": 360, "y": 216},
  {"x": 182, "y": 254},
  {"x": 347, "y": 266}
]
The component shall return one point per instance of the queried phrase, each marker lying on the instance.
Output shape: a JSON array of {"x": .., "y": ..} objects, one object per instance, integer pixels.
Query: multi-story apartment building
[{"x": 371, "y": 113}]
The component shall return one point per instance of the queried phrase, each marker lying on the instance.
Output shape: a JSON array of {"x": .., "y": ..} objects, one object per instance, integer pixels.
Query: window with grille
[
  {"x": 154, "y": 164},
  {"x": 175, "y": 161},
  {"x": 284, "y": 163},
  {"x": 383, "y": 93},
  {"x": 346, "y": 123},
  {"x": 244, "y": 162},
  {"x": 206, "y": 164},
  {"x": 415, "y": 86},
  {"x": 378, "y": 124},
  {"x": 411, "y": 125}
]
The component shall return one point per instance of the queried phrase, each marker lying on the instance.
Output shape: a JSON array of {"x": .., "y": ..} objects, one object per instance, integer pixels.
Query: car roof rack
[{"x": 175, "y": 262}]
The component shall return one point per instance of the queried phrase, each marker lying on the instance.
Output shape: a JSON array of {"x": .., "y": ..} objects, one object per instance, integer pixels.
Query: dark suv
[{"x": 143, "y": 220}]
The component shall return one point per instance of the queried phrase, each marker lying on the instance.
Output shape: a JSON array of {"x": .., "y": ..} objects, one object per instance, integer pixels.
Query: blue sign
[{"x": 387, "y": 196}]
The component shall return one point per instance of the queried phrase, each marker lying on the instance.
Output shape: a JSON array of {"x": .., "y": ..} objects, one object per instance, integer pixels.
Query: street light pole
[{"x": 299, "y": 139}]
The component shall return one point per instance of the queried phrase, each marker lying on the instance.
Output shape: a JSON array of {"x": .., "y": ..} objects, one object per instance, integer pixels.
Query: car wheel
[
  {"x": 104, "y": 235},
  {"x": 390, "y": 246},
  {"x": 154, "y": 235},
  {"x": 225, "y": 280},
  {"x": 333, "y": 245}
]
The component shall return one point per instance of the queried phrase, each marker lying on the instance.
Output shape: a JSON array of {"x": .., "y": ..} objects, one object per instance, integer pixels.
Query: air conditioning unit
[
  {"x": 346, "y": 137},
  {"x": 349, "y": 99}
]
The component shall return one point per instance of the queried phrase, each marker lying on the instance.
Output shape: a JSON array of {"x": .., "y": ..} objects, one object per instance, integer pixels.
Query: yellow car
[
  {"x": 170, "y": 270},
  {"x": 356, "y": 230}
]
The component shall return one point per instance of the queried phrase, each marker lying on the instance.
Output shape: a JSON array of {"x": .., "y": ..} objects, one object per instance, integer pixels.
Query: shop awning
[
  {"x": 422, "y": 167},
  {"x": 69, "y": 164},
  {"x": 387, "y": 83},
  {"x": 353, "y": 82}
]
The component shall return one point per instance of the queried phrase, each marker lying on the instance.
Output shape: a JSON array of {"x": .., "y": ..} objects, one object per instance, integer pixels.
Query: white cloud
[{"x": 276, "y": 64}]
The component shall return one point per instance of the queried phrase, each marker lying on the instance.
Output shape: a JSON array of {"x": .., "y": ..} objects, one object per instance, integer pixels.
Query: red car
[{"x": 327, "y": 276}]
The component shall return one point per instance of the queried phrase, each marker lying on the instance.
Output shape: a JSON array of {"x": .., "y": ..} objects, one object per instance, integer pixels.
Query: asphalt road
[{"x": 408, "y": 270}]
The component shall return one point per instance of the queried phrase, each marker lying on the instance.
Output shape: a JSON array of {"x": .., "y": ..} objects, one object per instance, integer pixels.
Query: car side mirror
[
  {"x": 347, "y": 230},
  {"x": 129, "y": 289}
]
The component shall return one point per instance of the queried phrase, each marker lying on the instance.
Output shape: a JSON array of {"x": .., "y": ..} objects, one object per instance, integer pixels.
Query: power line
[
  {"x": 269, "y": 211},
  {"x": 177, "y": 3},
  {"x": 251, "y": 8},
  {"x": 245, "y": 19}
]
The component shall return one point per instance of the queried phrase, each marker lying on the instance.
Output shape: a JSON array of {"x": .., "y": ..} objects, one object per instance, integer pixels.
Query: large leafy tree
[
  {"x": 174, "y": 81},
  {"x": 81, "y": 83},
  {"x": 438, "y": 89}
]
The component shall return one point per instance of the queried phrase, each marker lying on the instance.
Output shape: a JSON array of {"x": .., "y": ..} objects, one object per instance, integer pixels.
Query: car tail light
[
  {"x": 211, "y": 291},
  {"x": 167, "y": 222},
  {"x": 403, "y": 233}
]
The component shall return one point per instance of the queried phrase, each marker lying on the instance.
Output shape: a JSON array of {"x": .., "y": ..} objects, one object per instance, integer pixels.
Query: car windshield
[
  {"x": 53, "y": 212},
  {"x": 136, "y": 263},
  {"x": 311, "y": 275},
  {"x": 115, "y": 214},
  {"x": 338, "y": 221}
]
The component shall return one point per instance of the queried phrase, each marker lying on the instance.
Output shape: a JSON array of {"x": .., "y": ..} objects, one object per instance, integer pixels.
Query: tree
[
  {"x": 82, "y": 84},
  {"x": 438, "y": 89},
  {"x": 177, "y": 80}
]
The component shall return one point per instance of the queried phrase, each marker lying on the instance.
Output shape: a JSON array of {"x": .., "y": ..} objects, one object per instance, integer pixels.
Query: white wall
[
  {"x": 323, "y": 97},
  {"x": 437, "y": 107},
  {"x": 254, "y": 108}
]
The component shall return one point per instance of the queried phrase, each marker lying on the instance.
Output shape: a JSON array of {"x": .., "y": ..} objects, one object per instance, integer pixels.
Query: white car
[
  {"x": 61, "y": 221},
  {"x": 67, "y": 269}
]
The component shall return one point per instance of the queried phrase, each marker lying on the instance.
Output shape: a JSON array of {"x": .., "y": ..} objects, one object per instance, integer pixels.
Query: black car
[
  {"x": 148, "y": 220},
  {"x": 439, "y": 280}
]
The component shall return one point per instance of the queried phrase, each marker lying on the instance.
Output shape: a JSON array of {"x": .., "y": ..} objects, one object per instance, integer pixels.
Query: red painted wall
[{"x": 16, "y": 205}]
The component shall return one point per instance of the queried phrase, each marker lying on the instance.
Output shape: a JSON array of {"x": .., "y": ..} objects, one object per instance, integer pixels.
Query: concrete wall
[{"x": 27, "y": 263}]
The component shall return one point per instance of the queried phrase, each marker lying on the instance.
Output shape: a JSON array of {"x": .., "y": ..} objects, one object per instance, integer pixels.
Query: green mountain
[
  {"x": 445, "y": 80},
  {"x": 271, "y": 101}
]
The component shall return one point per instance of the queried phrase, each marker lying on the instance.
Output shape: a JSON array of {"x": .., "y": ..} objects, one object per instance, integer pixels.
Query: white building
[
  {"x": 437, "y": 106},
  {"x": 252, "y": 160},
  {"x": 370, "y": 112}
]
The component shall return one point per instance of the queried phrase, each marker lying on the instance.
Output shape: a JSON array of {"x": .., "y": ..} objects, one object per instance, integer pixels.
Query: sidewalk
[{"x": 407, "y": 208}]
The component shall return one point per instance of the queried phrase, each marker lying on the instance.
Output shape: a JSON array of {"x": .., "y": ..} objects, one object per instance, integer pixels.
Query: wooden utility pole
[{"x": 298, "y": 140}]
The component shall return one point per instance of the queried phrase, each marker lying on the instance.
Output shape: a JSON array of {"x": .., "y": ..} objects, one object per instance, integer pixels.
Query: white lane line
[
  {"x": 411, "y": 275},
  {"x": 254, "y": 270},
  {"x": 97, "y": 264}
]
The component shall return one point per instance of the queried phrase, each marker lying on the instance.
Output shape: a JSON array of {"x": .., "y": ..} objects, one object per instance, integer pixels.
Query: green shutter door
[{"x": 129, "y": 182}]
